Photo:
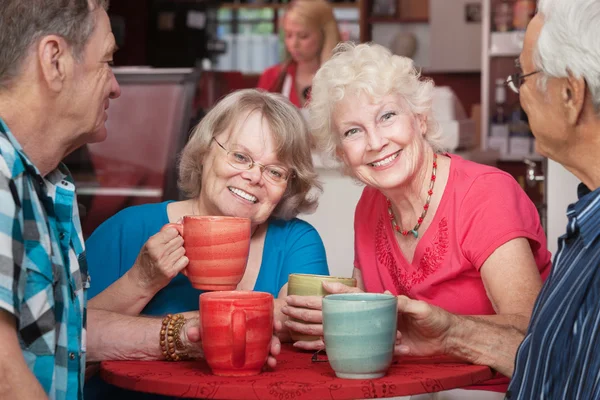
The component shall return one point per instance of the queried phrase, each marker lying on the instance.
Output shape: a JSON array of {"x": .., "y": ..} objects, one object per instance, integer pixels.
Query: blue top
[
  {"x": 290, "y": 247},
  {"x": 559, "y": 357},
  {"x": 43, "y": 274}
]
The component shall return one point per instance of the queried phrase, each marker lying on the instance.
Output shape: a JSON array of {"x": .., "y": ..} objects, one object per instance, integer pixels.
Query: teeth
[
  {"x": 243, "y": 194},
  {"x": 385, "y": 161}
]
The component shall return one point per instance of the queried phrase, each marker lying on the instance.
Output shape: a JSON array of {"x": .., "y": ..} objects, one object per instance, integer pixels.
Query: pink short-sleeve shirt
[{"x": 481, "y": 209}]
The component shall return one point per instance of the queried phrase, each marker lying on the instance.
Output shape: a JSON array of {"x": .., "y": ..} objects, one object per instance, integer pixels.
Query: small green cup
[{"x": 312, "y": 285}]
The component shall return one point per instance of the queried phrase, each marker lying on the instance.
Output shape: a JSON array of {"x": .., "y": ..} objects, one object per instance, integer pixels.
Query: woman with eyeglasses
[
  {"x": 459, "y": 243},
  {"x": 248, "y": 157}
]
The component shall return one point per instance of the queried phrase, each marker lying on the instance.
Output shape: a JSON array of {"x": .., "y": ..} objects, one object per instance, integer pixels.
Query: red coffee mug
[
  {"x": 217, "y": 248},
  {"x": 236, "y": 329}
]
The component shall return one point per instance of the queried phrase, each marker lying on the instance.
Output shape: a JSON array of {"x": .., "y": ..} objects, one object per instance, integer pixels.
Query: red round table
[{"x": 296, "y": 377}]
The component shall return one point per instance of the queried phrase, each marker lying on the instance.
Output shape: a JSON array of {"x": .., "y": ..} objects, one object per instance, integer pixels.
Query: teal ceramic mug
[{"x": 360, "y": 332}]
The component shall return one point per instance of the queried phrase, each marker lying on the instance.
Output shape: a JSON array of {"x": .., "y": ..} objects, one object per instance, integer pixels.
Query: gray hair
[
  {"x": 24, "y": 22},
  {"x": 372, "y": 69},
  {"x": 568, "y": 42},
  {"x": 292, "y": 141}
]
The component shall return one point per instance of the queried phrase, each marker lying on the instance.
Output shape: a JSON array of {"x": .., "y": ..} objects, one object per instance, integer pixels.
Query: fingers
[
  {"x": 313, "y": 302},
  {"x": 271, "y": 362},
  {"x": 401, "y": 350},
  {"x": 275, "y": 350},
  {"x": 167, "y": 233},
  {"x": 178, "y": 260},
  {"x": 193, "y": 334},
  {"x": 337, "y": 287},
  {"x": 303, "y": 314},
  {"x": 275, "y": 346},
  {"x": 312, "y": 345},
  {"x": 307, "y": 329},
  {"x": 413, "y": 307}
]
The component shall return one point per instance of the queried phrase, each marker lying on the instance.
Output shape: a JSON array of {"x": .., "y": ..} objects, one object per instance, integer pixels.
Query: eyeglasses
[
  {"x": 514, "y": 81},
  {"x": 242, "y": 161}
]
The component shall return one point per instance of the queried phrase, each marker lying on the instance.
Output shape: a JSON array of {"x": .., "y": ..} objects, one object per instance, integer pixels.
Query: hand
[
  {"x": 159, "y": 261},
  {"x": 308, "y": 309},
  {"x": 191, "y": 338},
  {"x": 424, "y": 328}
]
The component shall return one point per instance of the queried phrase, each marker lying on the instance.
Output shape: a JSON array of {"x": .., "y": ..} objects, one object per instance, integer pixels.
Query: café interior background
[{"x": 177, "y": 58}]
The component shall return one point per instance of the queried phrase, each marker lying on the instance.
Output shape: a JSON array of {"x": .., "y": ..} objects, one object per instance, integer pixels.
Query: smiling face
[
  {"x": 301, "y": 41},
  {"x": 381, "y": 142},
  {"x": 241, "y": 193}
]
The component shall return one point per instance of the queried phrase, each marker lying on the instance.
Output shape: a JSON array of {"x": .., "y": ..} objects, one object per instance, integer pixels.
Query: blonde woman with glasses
[{"x": 249, "y": 157}]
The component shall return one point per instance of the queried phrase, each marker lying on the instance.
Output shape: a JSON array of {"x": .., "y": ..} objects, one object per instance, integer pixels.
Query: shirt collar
[
  {"x": 586, "y": 212},
  {"x": 56, "y": 175}
]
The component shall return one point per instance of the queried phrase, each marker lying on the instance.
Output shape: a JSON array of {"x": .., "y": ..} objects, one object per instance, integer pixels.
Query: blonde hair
[
  {"x": 372, "y": 69},
  {"x": 316, "y": 15},
  {"x": 290, "y": 134}
]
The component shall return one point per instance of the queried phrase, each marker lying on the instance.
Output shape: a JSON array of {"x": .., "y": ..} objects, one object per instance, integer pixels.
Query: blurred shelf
[
  {"x": 243, "y": 6},
  {"x": 520, "y": 158},
  {"x": 506, "y": 44},
  {"x": 396, "y": 20}
]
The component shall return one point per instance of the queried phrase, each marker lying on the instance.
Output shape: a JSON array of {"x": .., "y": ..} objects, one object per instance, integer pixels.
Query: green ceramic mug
[
  {"x": 360, "y": 332},
  {"x": 312, "y": 285}
]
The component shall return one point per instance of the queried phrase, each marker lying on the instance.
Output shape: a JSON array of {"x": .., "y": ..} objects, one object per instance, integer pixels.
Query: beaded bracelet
[{"x": 170, "y": 337}]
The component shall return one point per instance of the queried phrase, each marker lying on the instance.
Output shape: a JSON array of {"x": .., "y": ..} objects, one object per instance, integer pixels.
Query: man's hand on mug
[
  {"x": 424, "y": 328},
  {"x": 308, "y": 310},
  {"x": 161, "y": 258}
]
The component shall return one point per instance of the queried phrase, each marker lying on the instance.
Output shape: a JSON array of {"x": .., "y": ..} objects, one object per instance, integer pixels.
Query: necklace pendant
[{"x": 415, "y": 233}]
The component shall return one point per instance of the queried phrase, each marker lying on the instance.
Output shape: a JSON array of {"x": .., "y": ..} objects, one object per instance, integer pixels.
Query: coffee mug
[
  {"x": 236, "y": 329},
  {"x": 311, "y": 285},
  {"x": 360, "y": 333},
  {"x": 217, "y": 248}
]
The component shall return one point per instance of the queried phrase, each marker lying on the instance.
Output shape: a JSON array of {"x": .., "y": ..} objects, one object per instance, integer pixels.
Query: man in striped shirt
[{"x": 559, "y": 88}]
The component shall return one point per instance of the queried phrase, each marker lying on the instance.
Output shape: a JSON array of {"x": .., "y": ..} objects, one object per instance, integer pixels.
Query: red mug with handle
[
  {"x": 236, "y": 329},
  {"x": 217, "y": 248}
]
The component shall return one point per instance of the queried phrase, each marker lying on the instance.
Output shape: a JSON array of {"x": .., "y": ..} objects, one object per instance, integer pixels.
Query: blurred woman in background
[{"x": 310, "y": 34}]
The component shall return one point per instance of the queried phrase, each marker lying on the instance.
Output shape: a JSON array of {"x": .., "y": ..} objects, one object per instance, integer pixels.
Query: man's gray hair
[
  {"x": 568, "y": 42},
  {"x": 24, "y": 22}
]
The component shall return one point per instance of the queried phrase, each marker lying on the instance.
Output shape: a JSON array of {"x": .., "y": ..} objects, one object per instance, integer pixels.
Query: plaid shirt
[{"x": 43, "y": 273}]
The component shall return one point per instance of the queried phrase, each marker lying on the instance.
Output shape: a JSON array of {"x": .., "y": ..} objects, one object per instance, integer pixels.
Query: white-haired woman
[
  {"x": 430, "y": 225},
  {"x": 249, "y": 157}
]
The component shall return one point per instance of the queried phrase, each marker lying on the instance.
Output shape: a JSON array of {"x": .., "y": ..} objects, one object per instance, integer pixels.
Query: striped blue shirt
[
  {"x": 43, "y": 274},
  {"x": 560, "y": 355}
]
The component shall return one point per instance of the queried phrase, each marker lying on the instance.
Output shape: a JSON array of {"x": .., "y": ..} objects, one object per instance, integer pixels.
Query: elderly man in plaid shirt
[{"x": 56, "y": 83}]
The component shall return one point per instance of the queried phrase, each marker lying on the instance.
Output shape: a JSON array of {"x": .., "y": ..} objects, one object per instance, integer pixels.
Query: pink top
[{"x": 481, "y": 209}]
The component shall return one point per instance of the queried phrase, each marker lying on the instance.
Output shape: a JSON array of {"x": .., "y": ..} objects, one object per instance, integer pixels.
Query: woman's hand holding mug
[{"x": 309, "y": 310}]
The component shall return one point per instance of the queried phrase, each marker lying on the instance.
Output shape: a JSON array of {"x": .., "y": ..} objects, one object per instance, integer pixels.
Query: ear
[
  {"x": 54, "y": 57},
  {"x": 422, "y": 124},
  {"x": 573, "y": 94},
  {"x": 341, "y": 154}
]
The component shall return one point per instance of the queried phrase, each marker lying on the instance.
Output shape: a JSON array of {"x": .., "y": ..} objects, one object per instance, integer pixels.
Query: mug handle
[
  {"x": 238, "y": 336},
  {"x": 177, "y": 226}
]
